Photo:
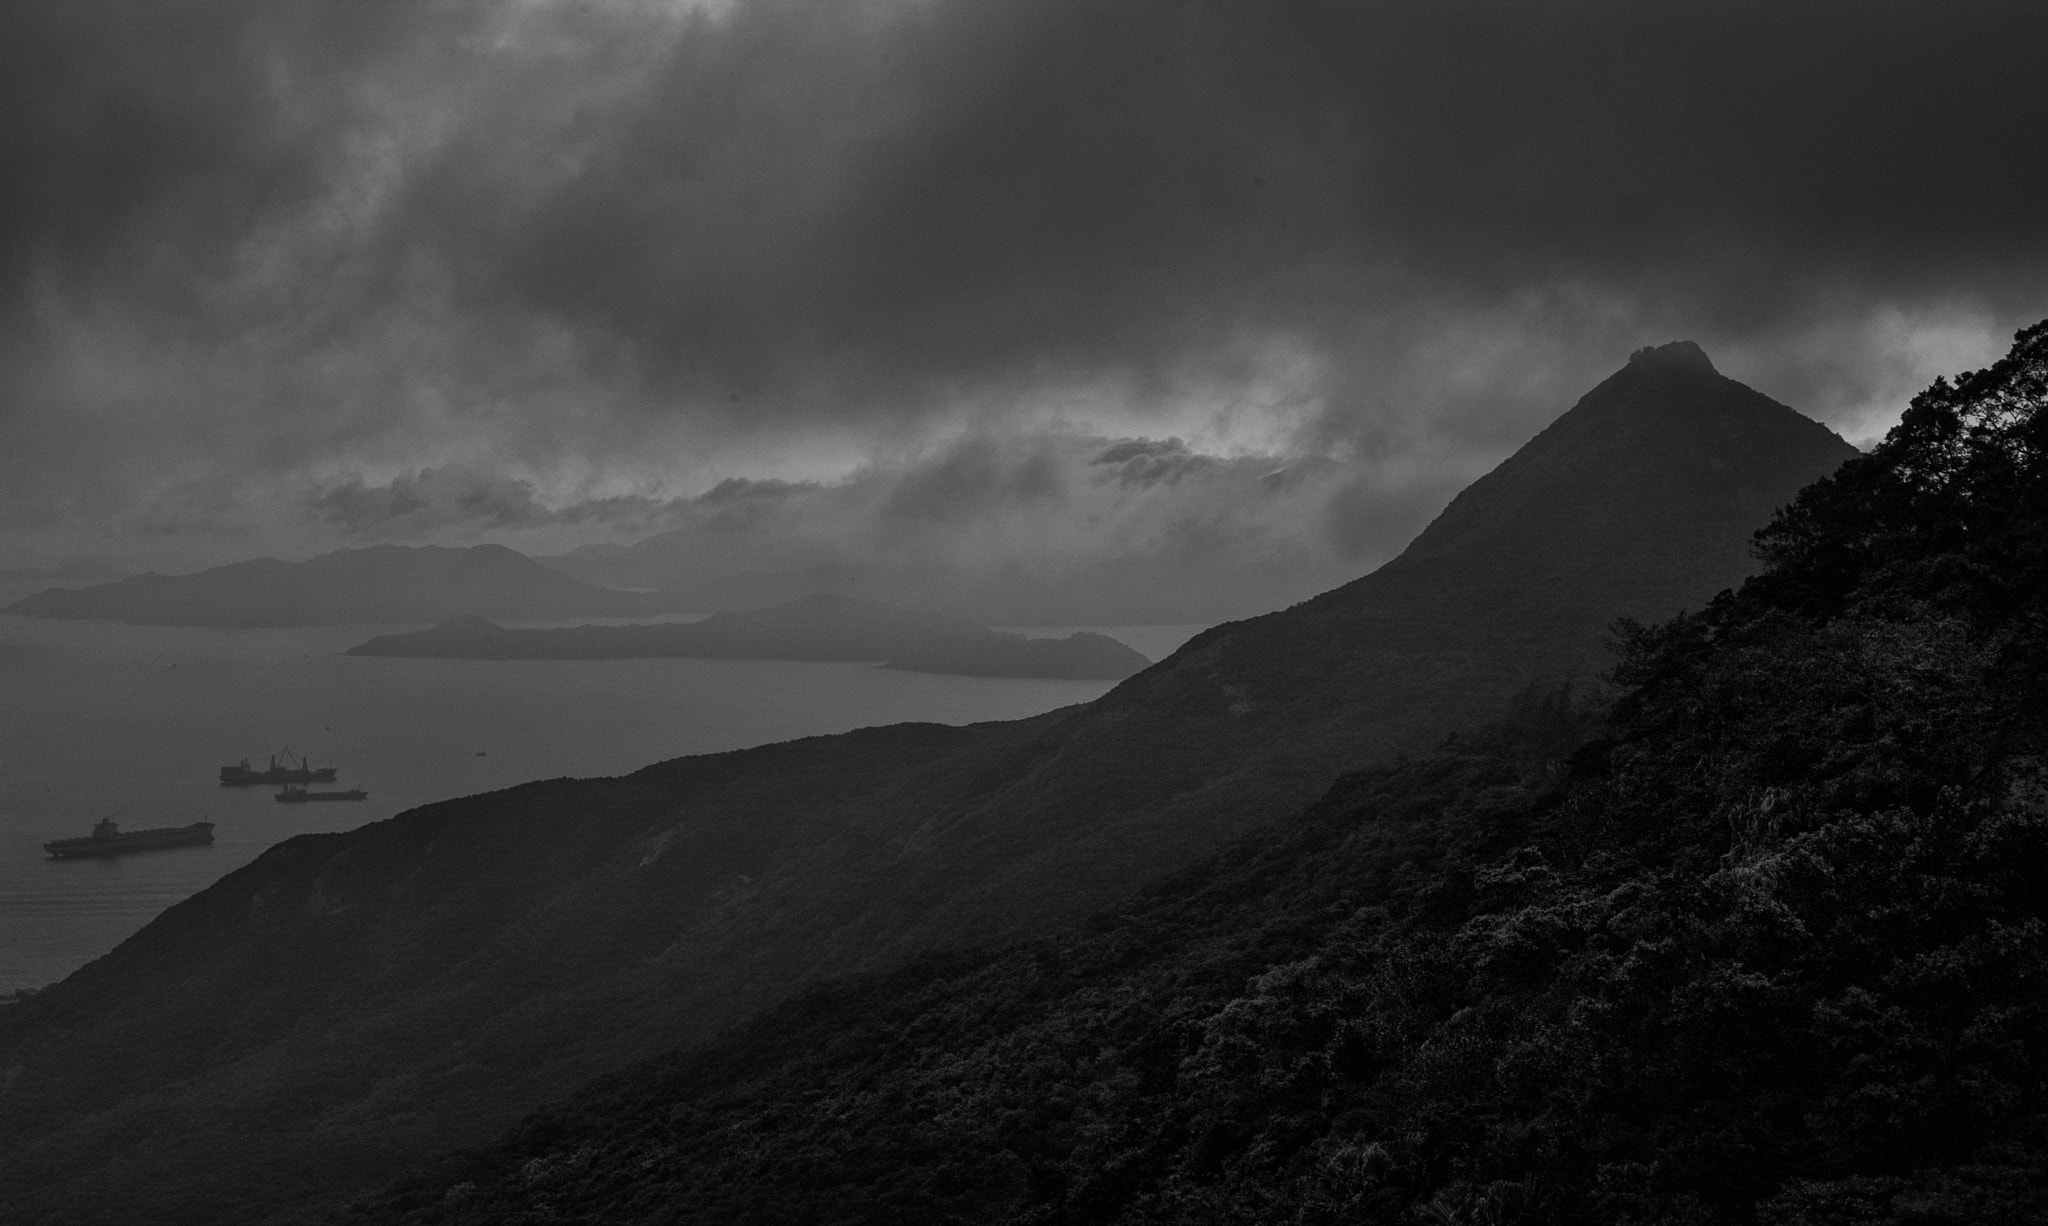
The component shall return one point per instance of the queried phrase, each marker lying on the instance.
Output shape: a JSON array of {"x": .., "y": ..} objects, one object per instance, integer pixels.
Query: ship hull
[{"x": 196, "y": 834}]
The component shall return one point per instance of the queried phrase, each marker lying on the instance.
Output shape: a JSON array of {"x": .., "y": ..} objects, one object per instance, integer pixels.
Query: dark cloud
[
  {"x": 978, "y": 477},
  {"x": 165, "y": 133},
  {"x": 1121, "y": 453},
  {"x": 246, "y": 247},
  {"x": 743, "y": 490},
  {"x": 472, "y": 502},
  {"x": 977, "y": 190},
  {"x": 1033, "y": 526},
  {"x": 739, "y": 506},
  {"x": 1142, "y": 462}
]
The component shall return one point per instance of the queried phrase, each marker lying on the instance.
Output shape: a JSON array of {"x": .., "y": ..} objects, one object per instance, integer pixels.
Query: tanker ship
[
  {"x": 298, "y": 795},
  {"x": 107, "y": 839}
]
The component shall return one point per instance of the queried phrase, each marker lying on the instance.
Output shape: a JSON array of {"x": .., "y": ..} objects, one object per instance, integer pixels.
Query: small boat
[
  {"x": 293, "y": 769},
  {"x": 107, "y": 839},
  {"x": 298, "y": 795}
]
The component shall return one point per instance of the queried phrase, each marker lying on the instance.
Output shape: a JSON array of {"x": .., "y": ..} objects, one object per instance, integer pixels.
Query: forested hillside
[{"x": 1770, "y": 945}]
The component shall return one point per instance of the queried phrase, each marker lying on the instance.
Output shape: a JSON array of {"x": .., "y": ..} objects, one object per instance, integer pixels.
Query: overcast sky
[{"x": 279, "y": 275}]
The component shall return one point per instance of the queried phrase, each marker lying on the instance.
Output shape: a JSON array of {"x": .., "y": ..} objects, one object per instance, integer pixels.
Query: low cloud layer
[
  {"x": 1058, "y": 526},
  {"x": 315, "y": 271}
]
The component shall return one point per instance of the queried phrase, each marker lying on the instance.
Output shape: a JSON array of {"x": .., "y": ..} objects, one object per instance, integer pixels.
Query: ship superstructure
[{"x": 284, "y": 768}]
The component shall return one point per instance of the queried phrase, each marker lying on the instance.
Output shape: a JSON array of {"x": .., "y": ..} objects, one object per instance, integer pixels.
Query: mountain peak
[
  {"x": 1653, "y": 482},
  {"x": 1678, "y": 355}
]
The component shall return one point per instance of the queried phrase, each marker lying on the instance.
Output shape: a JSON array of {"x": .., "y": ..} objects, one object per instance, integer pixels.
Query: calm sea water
[{"x": 135, "y": 722}]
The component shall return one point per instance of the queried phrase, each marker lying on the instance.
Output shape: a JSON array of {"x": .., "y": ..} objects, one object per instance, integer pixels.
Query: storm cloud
[{"x": 258, "y": 261}]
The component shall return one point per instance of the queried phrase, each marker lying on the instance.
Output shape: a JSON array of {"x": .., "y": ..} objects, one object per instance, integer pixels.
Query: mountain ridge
[{"x": 703, "y": 888}]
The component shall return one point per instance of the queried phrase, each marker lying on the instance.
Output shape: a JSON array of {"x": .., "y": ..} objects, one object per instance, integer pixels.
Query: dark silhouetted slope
[
  {"x": 822, "y": 626},
  {"x": 384, "y": 583},
  {"x": 349, "y": 1000},
  {"x": 1771, "y": 950},
  {"x": 1637, "y": 502}
]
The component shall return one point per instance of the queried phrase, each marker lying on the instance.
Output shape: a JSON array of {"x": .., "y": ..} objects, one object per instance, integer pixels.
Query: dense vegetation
[{"x": 1769, "y": 948}]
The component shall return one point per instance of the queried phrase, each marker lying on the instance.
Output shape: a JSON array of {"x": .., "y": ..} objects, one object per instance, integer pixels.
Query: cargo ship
[
  {"x": 292, "y": 770},
  {"x": 299, "y": 796},
  {"x": 107, "y": 839}
]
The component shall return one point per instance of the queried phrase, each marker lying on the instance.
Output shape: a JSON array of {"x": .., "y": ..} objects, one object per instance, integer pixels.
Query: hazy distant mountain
[
  {"x": 71, "y": 574},
  {"x": 19, "y": 581},
  {"x": 353, "y": 1000},
  {"x": 821, "y": 626},
  {"x": 383, "y": 583}
]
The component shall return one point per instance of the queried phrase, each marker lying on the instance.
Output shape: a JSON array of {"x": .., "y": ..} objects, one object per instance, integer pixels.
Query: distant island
[
  {"x": 383, "y": 583},
  {"x": 818, "y": 627}
]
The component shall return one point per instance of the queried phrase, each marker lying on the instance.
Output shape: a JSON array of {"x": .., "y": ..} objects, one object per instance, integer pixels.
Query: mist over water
[{"x": 99, "y": 719}]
